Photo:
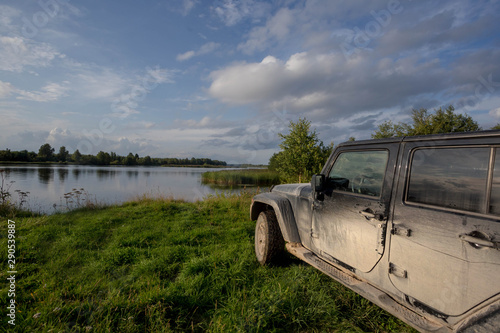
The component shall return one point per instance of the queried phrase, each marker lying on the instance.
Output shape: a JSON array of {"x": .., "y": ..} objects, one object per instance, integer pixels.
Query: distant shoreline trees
[{"x": 46, "y": 154}]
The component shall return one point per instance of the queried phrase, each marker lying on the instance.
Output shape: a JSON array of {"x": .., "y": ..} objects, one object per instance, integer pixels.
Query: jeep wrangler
[{"x": 411, "y": 224}]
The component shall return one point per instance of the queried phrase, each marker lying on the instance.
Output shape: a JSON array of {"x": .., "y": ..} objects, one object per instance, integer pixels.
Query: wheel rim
[{"x": 261, "y": 236}]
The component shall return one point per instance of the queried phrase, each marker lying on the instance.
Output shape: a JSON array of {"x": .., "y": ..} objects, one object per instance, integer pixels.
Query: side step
[{"x": 368, "y": 291}]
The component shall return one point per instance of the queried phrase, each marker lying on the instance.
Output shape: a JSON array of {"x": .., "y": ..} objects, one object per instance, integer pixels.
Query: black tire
[{"x": 269, "y": 243}]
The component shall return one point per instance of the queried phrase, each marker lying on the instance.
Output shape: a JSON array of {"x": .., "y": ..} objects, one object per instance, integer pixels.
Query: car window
[
  {"x": 450, "y": 177},
  {"x": 359, "y": 172}
]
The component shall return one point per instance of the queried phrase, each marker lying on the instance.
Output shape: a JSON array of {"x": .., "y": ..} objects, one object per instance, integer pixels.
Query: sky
[{"x": 220, "y": 79}]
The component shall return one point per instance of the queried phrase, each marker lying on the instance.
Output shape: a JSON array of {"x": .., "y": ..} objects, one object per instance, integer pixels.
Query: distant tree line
[{"x": 47, "y": 154}]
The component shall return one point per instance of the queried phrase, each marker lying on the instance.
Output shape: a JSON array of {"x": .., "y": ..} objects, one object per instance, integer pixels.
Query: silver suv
[{"x": 412, "y": 224}]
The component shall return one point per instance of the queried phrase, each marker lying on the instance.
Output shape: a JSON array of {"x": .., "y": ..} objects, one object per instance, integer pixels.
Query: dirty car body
[{"x": 412, "y": 224}]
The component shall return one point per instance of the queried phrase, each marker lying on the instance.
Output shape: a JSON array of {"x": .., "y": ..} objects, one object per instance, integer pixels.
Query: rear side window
[
  {"x": 495, "y": 186},
  {"x": 451, "y": 177},
  {"x": 360, "y": 172}
]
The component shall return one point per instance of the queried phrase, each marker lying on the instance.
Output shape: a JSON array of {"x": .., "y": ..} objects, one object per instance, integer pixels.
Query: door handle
[
  {"x": 479, "y": 242},
  {"x": 369, "y": 215}
]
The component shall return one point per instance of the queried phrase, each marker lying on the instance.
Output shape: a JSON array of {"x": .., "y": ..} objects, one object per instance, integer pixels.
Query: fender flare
[{"x": 283, "y": 210}]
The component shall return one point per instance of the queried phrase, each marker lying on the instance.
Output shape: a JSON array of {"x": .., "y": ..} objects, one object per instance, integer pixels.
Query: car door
[
  {"x": 349, "y": 218},
  {"x": 446, "y": 227}
]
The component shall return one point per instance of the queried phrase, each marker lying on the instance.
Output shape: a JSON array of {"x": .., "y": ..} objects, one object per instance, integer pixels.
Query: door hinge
[
  {"x": 401, "y": 230},
  {"x": 397, "y": 271},
  {"x": 382, "y": 227}
]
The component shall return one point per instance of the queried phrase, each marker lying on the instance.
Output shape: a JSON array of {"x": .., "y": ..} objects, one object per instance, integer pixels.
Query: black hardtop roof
[{"x": 431, "y": 137}]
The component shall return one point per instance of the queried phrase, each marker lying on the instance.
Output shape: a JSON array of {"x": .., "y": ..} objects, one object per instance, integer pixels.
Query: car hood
[{"x": 290, "y": 189}]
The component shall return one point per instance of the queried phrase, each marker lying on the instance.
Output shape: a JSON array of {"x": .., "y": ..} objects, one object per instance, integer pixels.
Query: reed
[{"x": 245, "y": 177}]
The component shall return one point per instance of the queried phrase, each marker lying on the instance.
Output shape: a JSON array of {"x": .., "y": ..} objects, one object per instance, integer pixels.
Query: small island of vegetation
[{"x": 245, "y": 177}]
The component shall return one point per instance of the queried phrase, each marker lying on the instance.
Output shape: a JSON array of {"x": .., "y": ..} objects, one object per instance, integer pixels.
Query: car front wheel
[{"x": 269, "y": 243}]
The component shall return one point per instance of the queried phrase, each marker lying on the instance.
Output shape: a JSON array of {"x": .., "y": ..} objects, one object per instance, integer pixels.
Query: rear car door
[
  {"x": 349, "y": 221},
  {"x": 446, "y": 225}
]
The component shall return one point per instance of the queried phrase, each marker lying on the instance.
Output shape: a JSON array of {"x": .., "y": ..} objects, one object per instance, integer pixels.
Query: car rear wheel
[{"x": 269, "y": 243}]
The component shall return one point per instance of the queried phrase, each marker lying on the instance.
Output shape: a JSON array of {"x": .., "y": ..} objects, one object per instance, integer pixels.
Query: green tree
[
  {"x": 147, "y": 160},
  {"x": 22, "y": 155},
  {"x": 302, "y": 155},
  {"x": 63, "y": 154},
  {"x": 77, "y": 156},
  {"x": 496, "y": 127},
  {"x": 423, "y": 122},
  {"x": 130, "y": 159},
  {"x": 103, "y": 158},
  {"x": 273, "y": 162},
  {"x": 6, "y": 155},
  {"x": 45, "y": 153}
]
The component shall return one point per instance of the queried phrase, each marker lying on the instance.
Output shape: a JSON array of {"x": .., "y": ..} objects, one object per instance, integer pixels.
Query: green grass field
[
  {"x": 162, "y": 266},
  {"x": 260, "y": 177}
]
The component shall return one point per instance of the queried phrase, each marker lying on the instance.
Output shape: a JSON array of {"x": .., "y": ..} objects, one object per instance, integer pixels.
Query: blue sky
[{"x": 220, "y": 79}]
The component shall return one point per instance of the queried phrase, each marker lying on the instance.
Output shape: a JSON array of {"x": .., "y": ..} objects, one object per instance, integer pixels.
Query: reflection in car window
[
  {"x": 495, "y": 186},
  {"x": 359, "y": 172},
  {"x": 449, "y": 177}
]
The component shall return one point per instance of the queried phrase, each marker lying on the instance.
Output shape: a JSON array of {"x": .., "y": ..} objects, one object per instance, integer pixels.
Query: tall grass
[
  {"x": 164, "y": 266},
  {"x": 261, "y": 177},
  {"x": 9, "y": 206}
]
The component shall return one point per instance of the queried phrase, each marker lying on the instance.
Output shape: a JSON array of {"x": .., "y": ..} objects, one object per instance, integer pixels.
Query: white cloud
[
  {"x": 58, "y": 135},
  {"x": 329, "y": 86},
  {"x": 127, "y": 103},
  {"x": 277, "y": 28},
  {"x": 157, "y": 75},
  {"x": 186, "y": 56},
  {"x": 48, "y": 93},
  {"x": 5, "y": 89},
  {"x": 272, "y": 79},
  {"x": 232, "y": 12},
  {"x": 7, "y": 16},
  {"x": 19, "y": 53},
  {"x": 205, "y": 122},
  {"x": 188, "y": 5},
  {"x": 204, "y": 49},
  {"x": 495, "y": 113},
  {"x": 208, "y": 48},
  {"x": 100, "y": 83}
]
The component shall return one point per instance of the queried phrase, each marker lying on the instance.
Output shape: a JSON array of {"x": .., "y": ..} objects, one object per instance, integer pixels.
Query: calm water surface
[{"x": 113, "y": 184}]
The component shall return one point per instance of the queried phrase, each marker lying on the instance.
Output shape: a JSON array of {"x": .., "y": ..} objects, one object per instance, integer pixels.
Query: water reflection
[
  {"x": 63, "y": 174},
  {"x": 132, "y": 174},
  {"x": 103, "y": 174},
  {"x": 45, "y": 175}
]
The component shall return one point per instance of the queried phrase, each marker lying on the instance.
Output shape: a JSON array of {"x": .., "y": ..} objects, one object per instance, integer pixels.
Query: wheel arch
[{"x": 284, "y": 214}]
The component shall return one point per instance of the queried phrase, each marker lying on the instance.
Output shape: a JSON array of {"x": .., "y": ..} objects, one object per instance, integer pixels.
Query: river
[{"x": 60, "y": 187}]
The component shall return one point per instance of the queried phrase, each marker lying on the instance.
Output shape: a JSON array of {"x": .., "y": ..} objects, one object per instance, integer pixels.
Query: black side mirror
[{"x": 318, "y": 183}]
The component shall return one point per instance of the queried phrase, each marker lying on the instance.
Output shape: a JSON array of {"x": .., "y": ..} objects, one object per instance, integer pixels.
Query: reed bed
[{"x": 244, "y": 177}]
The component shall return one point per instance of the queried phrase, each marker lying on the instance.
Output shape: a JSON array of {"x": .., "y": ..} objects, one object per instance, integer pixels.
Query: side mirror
[{"x": 318, "y": 183}]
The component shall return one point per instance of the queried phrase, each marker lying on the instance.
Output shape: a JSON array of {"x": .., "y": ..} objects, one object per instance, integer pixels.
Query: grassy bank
[
  {"x": 260, "y": 177},
  {"x": 161, "y": 266}
]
